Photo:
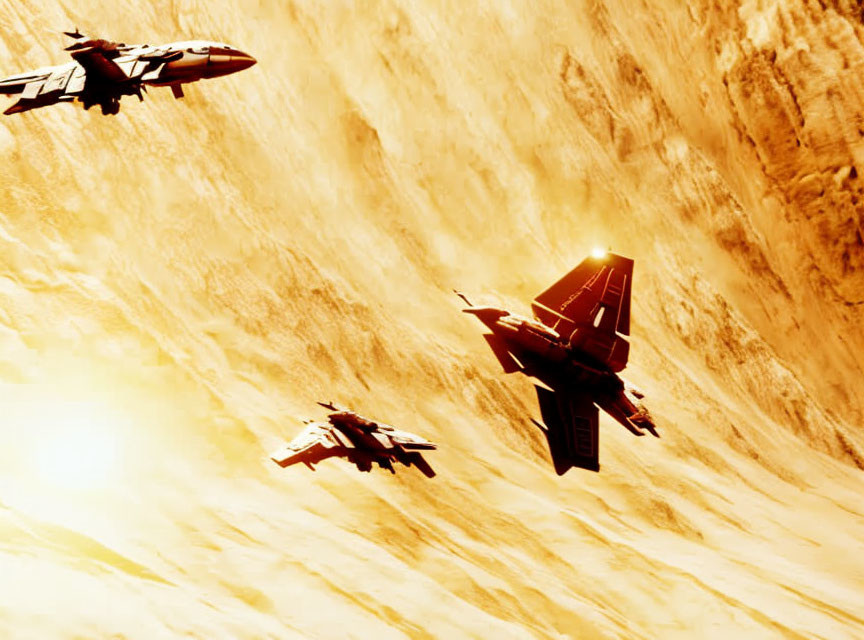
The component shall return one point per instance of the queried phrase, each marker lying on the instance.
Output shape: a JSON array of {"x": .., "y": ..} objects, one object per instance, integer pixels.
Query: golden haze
[{"x": 180, "y": 283}]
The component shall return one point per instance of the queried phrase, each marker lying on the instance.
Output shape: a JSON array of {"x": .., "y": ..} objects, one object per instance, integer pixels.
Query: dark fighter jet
[
  {"x": 575, "y": 347},
  {"x": 361, "y": 441},
  {"x": 102, "y": 72}
]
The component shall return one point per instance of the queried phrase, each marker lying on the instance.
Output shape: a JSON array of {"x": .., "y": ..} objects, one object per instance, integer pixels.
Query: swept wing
[
  {"x": 316, "y": 442},
  {"x": 571, "y": 427}
]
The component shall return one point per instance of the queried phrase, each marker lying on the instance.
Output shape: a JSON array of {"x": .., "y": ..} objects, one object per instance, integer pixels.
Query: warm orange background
[{"x": 180, "y": 283}]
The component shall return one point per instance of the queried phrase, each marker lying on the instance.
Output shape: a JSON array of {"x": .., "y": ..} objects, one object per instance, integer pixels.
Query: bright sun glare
[
  {"x": 598, "y": 252},
  {"x": 77, "y": 448}
]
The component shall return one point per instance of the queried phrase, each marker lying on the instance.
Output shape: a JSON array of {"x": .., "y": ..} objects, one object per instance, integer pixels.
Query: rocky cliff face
[{"x": 180, "y": 283}]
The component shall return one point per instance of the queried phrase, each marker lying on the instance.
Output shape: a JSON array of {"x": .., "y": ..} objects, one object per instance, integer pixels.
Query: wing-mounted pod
[{"x": 386, "y": 463}]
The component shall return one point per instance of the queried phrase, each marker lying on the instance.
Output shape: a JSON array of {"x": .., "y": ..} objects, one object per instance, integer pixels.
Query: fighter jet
[
  {"x": 361, "y": 441},
  {"x": 102, "y": 72},
  {"x": 575, "y": 347}
]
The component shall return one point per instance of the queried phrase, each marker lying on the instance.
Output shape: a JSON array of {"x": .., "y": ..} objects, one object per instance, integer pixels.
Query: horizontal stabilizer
[
  {"x": 420, "y": 462},
  {"x": 508, "y": 362},
  {"x": 26, "y": 105},
  {"x": 18, "y": 107}
]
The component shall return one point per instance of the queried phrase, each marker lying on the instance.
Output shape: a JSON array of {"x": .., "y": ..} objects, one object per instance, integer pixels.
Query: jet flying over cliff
[
  {"x": 102, "y": 72},
  {"x": 359, "y": 440},
  {"x": 575, "y": 347}
]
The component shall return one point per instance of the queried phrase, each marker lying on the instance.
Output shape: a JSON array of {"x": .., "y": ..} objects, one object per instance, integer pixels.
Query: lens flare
[
  {"x": 598, "y": 252},
  {"x": 84, "y": 456},
  {"x": 76, "y": 446}
]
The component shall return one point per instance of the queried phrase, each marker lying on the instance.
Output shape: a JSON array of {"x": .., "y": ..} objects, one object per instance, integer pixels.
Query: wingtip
[
  {"x": 463, "y": 297},
  {"x": 540, "y": 425},
  {"x": 281, "y": 462}
]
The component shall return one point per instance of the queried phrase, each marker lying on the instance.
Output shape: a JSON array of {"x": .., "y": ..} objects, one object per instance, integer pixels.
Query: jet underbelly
[
  {"x": 369, "y": 441},
  {"x": 187, "y": 68}
]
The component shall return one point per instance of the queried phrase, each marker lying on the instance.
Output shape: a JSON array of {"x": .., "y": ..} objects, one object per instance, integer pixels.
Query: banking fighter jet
[
  {"x": 359, "y": 440},
  {"x": 102, "y": 72},
  {"x": 575, "y": 346}
]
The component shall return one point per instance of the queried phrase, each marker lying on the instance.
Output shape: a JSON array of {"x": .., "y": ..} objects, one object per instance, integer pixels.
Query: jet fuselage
[
  {"x": 359, "y": 440},
  {"x": 102, "y": 72},
  {"x": 540, "y": 352},
  {"x": 199, "y": 60},
  {"x": 574, "y": 348}
]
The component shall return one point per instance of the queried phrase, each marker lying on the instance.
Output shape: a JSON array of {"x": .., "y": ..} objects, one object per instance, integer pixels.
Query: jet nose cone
[
  {"x": 225, "y": 61},
  {"x": 242, "y": 61}
]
